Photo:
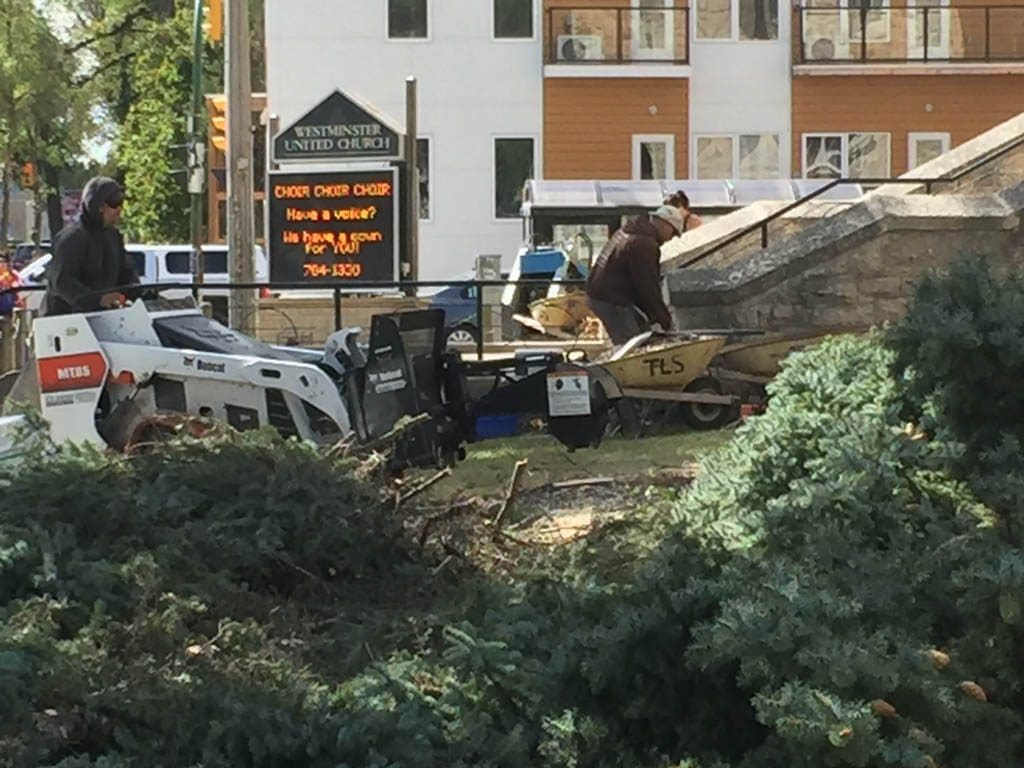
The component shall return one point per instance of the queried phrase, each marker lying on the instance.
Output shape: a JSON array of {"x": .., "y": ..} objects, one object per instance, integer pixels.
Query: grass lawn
[{"x": 488, "y": 465}]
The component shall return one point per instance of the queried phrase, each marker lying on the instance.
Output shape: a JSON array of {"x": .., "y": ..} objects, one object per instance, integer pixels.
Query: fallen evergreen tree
[{"x": 843, "y": 586}]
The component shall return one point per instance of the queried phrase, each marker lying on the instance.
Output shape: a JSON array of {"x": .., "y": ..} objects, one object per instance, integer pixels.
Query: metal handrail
[
  {"x": 963, "y": 11},
  {"x": 927, "y": 182}
]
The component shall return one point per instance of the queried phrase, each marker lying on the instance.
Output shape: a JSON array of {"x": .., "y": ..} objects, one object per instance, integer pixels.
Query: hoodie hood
[
  {"x": 643, "y": 226},
  {"x": 98, "y": 191}
]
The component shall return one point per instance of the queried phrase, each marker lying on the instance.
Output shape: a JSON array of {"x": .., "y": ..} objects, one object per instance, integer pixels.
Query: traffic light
[
  {"x": 214, "y": 24},
  {"x": 218, "y": 122}
]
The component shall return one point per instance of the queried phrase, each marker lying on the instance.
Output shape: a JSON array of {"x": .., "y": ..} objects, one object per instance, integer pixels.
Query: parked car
[
  {"x": 25, "y": 253},
  {"x": 460, "y": 320}
]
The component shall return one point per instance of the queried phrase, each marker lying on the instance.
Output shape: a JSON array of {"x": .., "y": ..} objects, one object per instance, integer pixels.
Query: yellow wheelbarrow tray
[
  {"x": 657, "y": 366},
  {"x": 761, "y": 358}
]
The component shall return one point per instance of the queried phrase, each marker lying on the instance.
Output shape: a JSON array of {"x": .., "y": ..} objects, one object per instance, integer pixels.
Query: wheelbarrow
[{"x": 673, "y": 368}]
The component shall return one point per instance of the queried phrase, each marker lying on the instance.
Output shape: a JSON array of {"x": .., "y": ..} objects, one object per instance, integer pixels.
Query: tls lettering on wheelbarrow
[{"x": 661, "y": 366}]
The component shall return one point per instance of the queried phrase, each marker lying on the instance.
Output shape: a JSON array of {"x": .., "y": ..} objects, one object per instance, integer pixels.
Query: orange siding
[
  {"x": 589, "y": 123},
  {"x": 962, "y": 105}
]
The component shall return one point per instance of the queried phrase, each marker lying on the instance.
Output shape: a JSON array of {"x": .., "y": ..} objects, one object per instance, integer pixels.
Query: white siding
[
  {"x": 742, "y": 86},
  {"x": 471, "y": 89}
]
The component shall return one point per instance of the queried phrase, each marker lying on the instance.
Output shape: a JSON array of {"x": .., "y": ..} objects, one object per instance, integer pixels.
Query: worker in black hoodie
[{"x": 89, "y": 260}]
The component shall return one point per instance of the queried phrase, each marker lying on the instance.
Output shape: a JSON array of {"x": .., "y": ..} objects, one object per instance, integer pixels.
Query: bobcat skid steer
[{"x": 116, "y": 378}]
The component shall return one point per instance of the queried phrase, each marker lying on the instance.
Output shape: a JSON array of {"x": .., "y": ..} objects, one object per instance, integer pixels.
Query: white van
[
  {"x": 167, "y": 264},
  {"x": 173, "y": 264}
]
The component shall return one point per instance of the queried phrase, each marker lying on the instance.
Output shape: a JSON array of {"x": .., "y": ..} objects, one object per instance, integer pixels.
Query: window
[
  {"x": 935, "y": 15},
  {"x": 423, "y": 166},
  {"x": 180, "y": 262},
  {"x": 759, "y": 19},
  {"x": 874, "y": 14},
  {"x": 850, "y": 155},
  {"x": 924, "y": 147},
  {"x": 513, "y": 165},
  {"x": 139, "y": 262},
  {"x": 216, "y": 261},
  {"x": 744, "y": 156},
  {"x": 654, "y": 157},
  {"x": 737, "y": 20},
  {"x": 407, "y": 19},
  {"x": 714, "y": 157},
  {"x": 513, "y": 19},
  {"x": 584, "y": 241},
  {"x": 653, "y": 29}
]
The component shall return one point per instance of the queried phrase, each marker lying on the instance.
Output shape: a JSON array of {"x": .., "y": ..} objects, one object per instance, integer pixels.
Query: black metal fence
[{"x": 340, "y": 289}]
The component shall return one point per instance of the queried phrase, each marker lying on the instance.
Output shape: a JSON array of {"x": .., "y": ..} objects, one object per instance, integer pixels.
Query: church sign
[{"x": 339, "y": 128}]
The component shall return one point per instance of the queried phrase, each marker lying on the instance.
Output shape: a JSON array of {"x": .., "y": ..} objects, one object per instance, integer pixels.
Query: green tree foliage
[
  {"x": 41, "y": 113},
  {"x": 842, "y": 587},
  {"x": 156, "y": 121}
]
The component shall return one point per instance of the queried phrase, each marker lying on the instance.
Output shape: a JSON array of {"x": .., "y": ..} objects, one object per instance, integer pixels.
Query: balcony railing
[
  {"x": 867, "y": 31},
  {"x": 595, "y": 35}
]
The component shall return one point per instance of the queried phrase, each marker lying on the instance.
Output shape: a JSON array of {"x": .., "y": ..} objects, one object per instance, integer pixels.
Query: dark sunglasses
[{"x": 116, "y": 206}]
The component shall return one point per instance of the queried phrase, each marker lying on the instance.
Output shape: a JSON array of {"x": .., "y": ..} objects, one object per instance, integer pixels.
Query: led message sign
[{"x": 333, "y": 226}]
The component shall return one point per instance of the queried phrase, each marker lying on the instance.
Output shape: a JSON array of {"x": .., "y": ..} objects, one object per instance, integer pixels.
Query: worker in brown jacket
[{"x": 627, "y": 276}]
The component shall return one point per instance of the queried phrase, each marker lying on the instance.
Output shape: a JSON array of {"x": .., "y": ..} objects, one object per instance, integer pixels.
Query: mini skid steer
[{"x": 118, "y": 378}]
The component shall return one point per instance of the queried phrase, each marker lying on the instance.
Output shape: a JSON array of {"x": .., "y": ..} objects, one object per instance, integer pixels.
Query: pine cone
[
  {"x": 973, "y": 690},
  {"x": 939, "y": 659},
  {"x": 883, "y": 708},
  {"x": 918, "y": 735}
]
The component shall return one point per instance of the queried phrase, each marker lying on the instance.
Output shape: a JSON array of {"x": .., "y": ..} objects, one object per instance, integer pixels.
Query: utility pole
[
  {"x": 196, "y": 151},
  {"x": 241, "y": 304}
]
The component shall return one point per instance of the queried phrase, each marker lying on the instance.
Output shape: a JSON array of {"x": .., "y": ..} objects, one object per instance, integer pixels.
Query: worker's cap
[{"x": 672, "y": 216}]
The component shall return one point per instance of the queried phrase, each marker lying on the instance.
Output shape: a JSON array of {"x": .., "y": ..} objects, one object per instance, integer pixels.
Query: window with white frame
[
  {"x": 513, "y": 19},
  {"x": 743, "y": 156},
  {"x": 850, "y": 155},
  {"x": 654, "y": 156},
  {"x": 923, "y": 147},
  {"x": 407, "y": 19},
  {"x": 513, "y": 165},
  {"x": 737, "y": 20},
  {"x": 423, "y": 166}
]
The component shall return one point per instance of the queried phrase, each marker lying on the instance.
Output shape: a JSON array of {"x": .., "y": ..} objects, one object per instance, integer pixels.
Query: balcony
[
  {"x": 603, "y": 35},
  {"x": 926, "y": 32}
]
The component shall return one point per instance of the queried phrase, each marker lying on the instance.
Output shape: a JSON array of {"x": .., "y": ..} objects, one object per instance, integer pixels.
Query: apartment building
[{"x": 647, "y": 89}]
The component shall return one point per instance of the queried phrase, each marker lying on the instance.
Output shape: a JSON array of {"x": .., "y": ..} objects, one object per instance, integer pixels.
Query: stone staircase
[{"x": 848, "y": 266}]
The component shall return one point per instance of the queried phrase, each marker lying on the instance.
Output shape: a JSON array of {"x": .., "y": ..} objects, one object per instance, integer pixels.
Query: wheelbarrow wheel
[{"x": 705, "y": 416}]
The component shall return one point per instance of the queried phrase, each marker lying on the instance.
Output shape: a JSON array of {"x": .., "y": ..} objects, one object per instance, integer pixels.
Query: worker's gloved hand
[{"x": 113, "y": 300}]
